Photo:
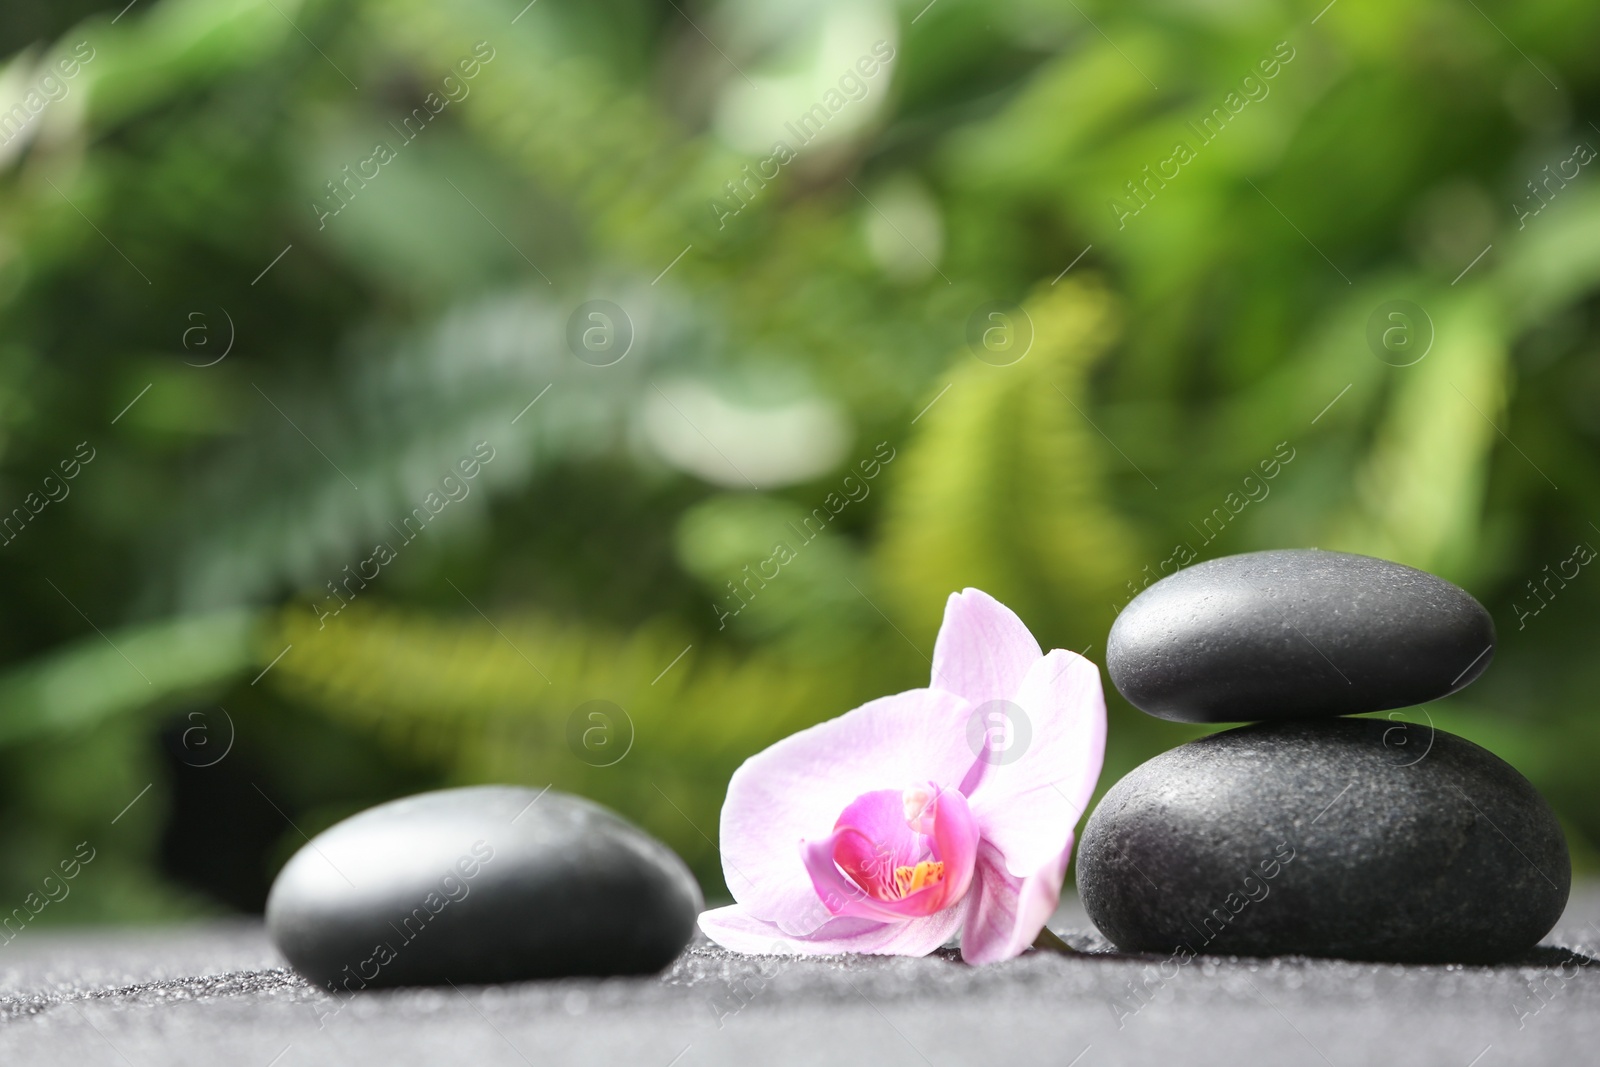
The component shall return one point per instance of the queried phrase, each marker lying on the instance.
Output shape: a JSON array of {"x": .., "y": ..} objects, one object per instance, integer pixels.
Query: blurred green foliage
[{"x": 281, "y": 344}]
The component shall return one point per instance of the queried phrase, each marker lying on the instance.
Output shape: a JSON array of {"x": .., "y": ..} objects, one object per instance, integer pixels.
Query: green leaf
[
  {"x": 102, "y": 677},
  {"x": 1004, "y": 486}
]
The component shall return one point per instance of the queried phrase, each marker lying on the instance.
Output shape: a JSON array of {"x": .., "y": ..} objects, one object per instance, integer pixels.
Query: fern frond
[
  {"x": 1420, "y": 489},
  {"x": 510, "y": 701},
  {"x": 1003, "y": 488}
]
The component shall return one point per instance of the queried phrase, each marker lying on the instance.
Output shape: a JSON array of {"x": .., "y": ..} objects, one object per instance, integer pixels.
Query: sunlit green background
[{"x": 300, "y": 380}]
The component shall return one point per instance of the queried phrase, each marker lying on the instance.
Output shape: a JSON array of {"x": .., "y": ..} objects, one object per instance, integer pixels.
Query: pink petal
[
  {"x": 1005, "y": 913},
  {"x": 1026, "y": 808},
  {"x": 735, "y": 928},
  {"x": 983, "y": 650},
  {"x": 883, "y": 838},
  {"x": 796, "y": 789},
  {"x": 869, "y": 864},
  {"x": 955, "y": 843}
]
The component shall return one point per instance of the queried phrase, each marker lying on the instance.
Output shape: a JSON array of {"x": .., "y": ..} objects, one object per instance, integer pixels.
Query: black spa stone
[
  {"x": 1358, "y": 838},
  {"x": 1292, "y": 633},
  {"x": 484, "y": 884}
]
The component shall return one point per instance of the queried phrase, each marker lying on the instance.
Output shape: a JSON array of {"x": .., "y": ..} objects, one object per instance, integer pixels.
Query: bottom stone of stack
[{"x": 1368, "y": 839}]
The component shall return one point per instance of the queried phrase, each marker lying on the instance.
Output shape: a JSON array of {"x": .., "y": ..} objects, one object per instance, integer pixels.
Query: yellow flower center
[{"x": 908, "y": 880}]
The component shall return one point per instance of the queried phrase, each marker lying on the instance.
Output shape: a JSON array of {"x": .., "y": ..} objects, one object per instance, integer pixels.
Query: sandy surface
[{"x": 219, "y": 994}]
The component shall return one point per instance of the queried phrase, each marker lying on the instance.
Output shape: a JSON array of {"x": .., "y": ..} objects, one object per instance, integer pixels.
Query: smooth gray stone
[
  {"x": 1295, "y": 632},
  {"x": 483, "y": 884},
  {"x": 1368, "y": 839}
]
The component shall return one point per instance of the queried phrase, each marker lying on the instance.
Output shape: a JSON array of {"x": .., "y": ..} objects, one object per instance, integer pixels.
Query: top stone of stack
[{"x": 1295, "y": 633}]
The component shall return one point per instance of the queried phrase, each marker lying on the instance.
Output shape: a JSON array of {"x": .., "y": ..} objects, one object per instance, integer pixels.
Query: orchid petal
[
  {"x": 983, "y": 650},
  {"x": 1027, "y": 808},
  {"x": 955, "y": 842},
  {"x": 733, "y": 927},
  {"x": 885, "y": 839},
  {"x": 795, "y": 790},
  {"x": 1004, "y": 913}
]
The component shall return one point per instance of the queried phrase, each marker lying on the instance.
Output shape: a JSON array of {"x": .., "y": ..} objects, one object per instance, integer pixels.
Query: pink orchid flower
[{"x": 914, "y": 816}]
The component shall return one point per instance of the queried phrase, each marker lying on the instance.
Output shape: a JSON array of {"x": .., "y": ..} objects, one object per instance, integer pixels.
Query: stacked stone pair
[{"x": 1310, "y": 832}]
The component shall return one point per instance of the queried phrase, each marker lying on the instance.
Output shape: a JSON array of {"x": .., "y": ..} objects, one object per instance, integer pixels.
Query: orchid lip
[{"x": 895, "y": 854}]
